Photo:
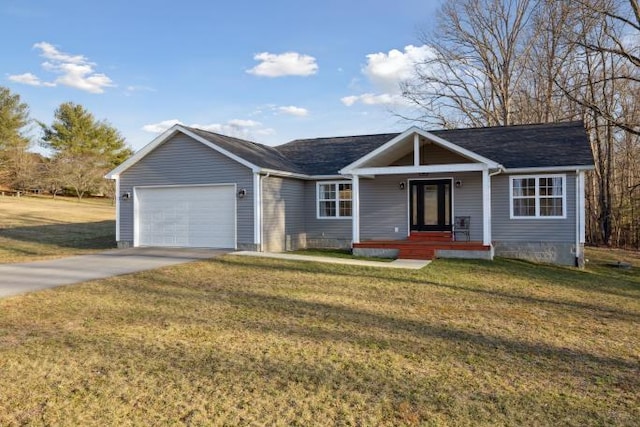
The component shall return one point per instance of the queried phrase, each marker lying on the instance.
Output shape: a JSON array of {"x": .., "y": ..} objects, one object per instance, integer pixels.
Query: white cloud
[
  {"x": 130, "y": 90},
  {"x": 49, "y": 51},
  {"x": 161, "y": 126},
  {"x": 373, "y": 99},
  {"x": 74, "y": 71},
  {"x": 239, "y": 123},
  {"x": 294, "y": 111},
  {"x": 284, "y": 64},
  {"x": 386, "y": 71},
  {"x": 239, "y": 128},
  {"x": 29, "y": 79}
]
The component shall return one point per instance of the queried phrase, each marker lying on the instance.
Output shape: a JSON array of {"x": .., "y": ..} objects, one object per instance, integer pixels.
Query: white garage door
[{"x": 189, "y": 216}]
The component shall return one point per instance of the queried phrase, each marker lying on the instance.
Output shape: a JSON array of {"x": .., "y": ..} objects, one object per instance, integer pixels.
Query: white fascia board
[
  {"x": 169, "y": 133},
  {"x": 549, "y": 169},
  {"x": 142, "y": 152},
  {"x": 401, "y": 170},
  {"x": 284, "y": 174},
  {"x": 433, "y": 138}
]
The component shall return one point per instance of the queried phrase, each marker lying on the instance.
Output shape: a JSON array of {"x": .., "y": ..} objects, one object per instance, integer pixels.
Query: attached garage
[{"x": 189, "y": 216}]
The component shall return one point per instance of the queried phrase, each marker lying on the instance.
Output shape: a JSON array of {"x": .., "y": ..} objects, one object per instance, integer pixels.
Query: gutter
[{"x": 550, "y": 169}]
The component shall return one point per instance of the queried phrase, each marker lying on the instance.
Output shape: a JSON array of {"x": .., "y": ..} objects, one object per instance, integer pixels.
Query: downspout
[
  {"x": 489, "y": 212},
  {"x": 578, "y": 189}
]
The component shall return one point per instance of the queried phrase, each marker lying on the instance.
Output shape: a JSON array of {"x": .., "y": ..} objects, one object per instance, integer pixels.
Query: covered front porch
[
  {"x": 426, "y": 246},
  {"x": 421, "y": 197}
]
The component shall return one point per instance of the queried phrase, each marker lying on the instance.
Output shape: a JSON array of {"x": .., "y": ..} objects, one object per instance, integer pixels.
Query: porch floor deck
[{"x": 423, "y": 245}]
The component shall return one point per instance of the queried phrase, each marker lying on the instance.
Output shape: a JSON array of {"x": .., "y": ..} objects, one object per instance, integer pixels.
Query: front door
[{"x": 430, "y": 203}]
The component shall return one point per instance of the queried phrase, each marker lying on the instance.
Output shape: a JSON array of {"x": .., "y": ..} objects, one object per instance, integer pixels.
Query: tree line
[
  {"x": 504, "y": 62},
  {"x": 82, "y": 150}
]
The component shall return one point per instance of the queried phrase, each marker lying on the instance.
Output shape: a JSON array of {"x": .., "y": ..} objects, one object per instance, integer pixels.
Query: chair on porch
[{"x": 461, "y": 226}]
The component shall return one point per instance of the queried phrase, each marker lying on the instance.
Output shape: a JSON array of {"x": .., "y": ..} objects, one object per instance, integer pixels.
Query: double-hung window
[
  {"x": 334, "y": 199},
  {"x": 538, "y": 196}
]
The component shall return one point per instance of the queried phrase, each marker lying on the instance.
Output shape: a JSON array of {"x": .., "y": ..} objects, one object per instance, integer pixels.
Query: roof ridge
[
  {"x": 519, "y": 125},
  {"x": 339, "y": 137}
]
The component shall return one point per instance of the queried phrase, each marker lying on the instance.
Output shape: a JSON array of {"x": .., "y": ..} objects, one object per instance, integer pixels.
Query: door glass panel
[
  {"x": 447, "y": 204},
  {"x": 414, "y": 205},
  {"x": 430, "y": 205}
]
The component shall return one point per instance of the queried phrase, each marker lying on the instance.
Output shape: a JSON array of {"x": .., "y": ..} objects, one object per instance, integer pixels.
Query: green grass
[
  {"x": 33, "y": 228},
  {"x": 253, "y": 341}
]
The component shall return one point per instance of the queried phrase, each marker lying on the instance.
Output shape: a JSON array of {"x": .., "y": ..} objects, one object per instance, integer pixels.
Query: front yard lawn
[
  {"x": 34, "y": 228},
  {"x": 243, "y": 340}
]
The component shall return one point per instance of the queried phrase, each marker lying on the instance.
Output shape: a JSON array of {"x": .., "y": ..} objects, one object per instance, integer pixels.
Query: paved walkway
[
  {"x": 412, "y": 264},
  {"x": 32, "y": 276}
]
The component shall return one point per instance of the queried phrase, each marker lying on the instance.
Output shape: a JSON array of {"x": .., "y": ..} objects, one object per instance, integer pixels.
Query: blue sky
[{"x": 270, "y": 71}]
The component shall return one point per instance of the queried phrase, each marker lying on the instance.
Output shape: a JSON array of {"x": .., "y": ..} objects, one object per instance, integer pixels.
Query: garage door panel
[{"x": 191, "y": 216}]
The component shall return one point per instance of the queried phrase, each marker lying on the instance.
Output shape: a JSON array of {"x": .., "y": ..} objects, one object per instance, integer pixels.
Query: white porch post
[
  {"x": 486, "y": 207},
  {"x": 355, "y": 208}
]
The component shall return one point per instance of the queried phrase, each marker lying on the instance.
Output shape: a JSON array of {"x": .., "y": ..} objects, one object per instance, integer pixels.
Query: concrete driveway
[{"x": 32, "y": 276}]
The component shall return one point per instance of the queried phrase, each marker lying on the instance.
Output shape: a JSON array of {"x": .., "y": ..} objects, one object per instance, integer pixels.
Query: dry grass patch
[
  {"x": 243, "y": 340},
  {"x": 33, "y": 228}
]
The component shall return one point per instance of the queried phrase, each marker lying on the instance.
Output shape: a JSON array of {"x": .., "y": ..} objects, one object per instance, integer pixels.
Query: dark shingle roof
[
  {"x": 525, "y": 146},
  {"x": 539, "y": 145},
  {"x": 520, "y": 146},
  {"x": 257, "y": 154},
  {"x": 326, "y": 156}
]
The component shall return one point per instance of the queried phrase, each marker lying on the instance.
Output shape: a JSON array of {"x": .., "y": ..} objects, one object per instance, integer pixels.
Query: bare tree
[
  {"x": 81, "y": 172},
  {"x": 613, "y": 31},
  {"x": 480, "y": 52}
]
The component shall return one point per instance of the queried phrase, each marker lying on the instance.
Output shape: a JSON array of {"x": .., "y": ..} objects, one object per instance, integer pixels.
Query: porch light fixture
[
  {"x": 459, "y": 183},
  {"x": 402, "y": 185},
  {"x": 126, "y": 196},
  {"x": 242, "y": 193}
]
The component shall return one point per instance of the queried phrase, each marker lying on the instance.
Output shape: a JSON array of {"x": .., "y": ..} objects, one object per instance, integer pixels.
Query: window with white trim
[
  {"x": 538, "y": 196},
  {"x": 334, "y": 199}
]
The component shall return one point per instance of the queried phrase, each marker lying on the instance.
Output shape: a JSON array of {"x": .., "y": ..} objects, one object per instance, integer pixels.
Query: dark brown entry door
[{"x": 430, "y": 203}]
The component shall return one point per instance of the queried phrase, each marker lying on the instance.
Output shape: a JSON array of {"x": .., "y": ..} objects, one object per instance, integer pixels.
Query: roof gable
[
  {"x": 404, "y": 138},
  {"x": 250, "y": 154}
]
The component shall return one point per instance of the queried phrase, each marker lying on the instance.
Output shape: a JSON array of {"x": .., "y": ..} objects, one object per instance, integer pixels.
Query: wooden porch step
[
  {"x": 421, "y": 249},
  {"x": 419, "y": 253},
  {"x": 431, "y": 236}
]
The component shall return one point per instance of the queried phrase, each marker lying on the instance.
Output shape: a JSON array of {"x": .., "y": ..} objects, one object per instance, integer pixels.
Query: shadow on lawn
[
  {"x": 86, "y": 235},
  {"x": 326, "y": 322},
  {"x": 414, "y": 277}
]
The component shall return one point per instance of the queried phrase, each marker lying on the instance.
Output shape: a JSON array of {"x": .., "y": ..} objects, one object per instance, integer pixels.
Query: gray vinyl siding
[
  {"x": 184, "y": 161},
  {"x": 530, "y": 229},
  {"x": 325, "y": 228},
  {"x": 467, "y": 201},
  {"x": 283, "y": 214},
  {"x": 385, "y": 207}
]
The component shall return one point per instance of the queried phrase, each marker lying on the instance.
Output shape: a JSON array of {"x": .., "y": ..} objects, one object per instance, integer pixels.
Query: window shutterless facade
[
  {"x": 538, "y": 196},
  {"x": 333, "y": 199}
]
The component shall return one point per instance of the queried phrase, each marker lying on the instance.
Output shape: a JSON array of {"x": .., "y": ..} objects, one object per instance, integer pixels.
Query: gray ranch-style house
[{"x": 513, "y": 191}]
